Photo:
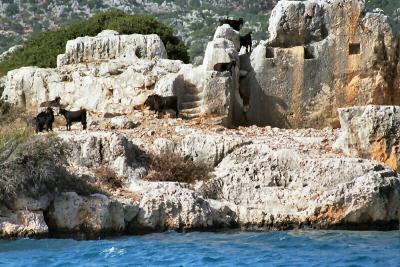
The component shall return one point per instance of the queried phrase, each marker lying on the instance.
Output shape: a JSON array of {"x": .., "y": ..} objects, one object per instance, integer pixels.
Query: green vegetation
[
  {"x": 35, "y": 168},
  {"x": 42, "y": 49},
  {"x": 173, "y": 168}
]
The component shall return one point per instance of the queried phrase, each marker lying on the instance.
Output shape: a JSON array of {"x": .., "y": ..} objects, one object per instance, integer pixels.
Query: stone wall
[{"x": 321, "y": 55}]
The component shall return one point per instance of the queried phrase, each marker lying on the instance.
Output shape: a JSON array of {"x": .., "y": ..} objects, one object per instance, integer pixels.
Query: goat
[
  {"x": 246, "y": 41},
  {"x": 52, "y": 103},
  {"x": 160, "y": 103},
  {"x": 74, "y": 116},
  {"x": 225, "y": 66},
  {"x": 44, "y": 120},
  {"x": 235, "y": 24}
]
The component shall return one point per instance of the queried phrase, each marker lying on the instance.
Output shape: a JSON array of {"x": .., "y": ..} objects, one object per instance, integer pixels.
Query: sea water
[{"x": 290, "y": 248}]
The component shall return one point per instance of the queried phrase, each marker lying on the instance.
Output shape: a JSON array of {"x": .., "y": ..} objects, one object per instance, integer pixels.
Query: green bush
[
  {"x": 42, "y": 49},
  {"x": 35, "y": 168}
]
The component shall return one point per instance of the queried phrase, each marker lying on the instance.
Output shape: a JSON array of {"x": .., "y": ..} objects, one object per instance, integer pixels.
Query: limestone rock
[
  {"x": 208, "y": 148},
  {"x": 321, "y": 55},
  {"x": 22, "y": 223},
  {"x": 170, "y": 85},
  {"x": 227, "y": 32},
  {"x": 95, "y": 149},
  {"x": 22, "y": 202},
  {"x": 108, "y": 45},
  {"x": 122, "y": 122},
  {"x": 94, "y": 214},
  {"x": 371, "y": 132},
  {"x": 170, "y": 206},
  {"x": 297, "y": 23},
  {"x": 285, "y": 188},
  {"x": 219, "y": 50},
  {"x": 10, "y": 51}
]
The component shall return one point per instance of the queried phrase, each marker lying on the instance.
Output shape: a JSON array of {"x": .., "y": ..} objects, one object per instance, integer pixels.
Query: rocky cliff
[
  {"x": 321, "y": 55},
  {"x": 263, "y": 178}
]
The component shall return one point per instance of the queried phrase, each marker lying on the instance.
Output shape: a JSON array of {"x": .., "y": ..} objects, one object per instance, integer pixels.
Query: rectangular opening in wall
[
  {"x": 269, "y": 52},
  {"x": 354, "y": 49},
  {"x": 308, "y": 53}
]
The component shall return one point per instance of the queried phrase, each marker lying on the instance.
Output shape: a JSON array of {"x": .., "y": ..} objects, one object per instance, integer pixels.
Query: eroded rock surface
[
  {"x": 321, "y": 55},
  {"x": 371, "y": 132}
]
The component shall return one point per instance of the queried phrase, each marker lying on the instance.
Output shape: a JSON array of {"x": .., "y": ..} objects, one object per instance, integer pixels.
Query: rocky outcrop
[
  {"x": 371, "y": 132},
  {"x": 118, "y": 72},
  {"x": 22, "y": 223},
  {"x": 173, "y": 206},
  {"x": 96, "y": 149},
  {"x": 71, "y": 213},
  {"x": 110, "y": 45},
  {"x": 321, "y": 55},
  {"x": 285, "y": 188},
  {"x": 10, "y": 51}
]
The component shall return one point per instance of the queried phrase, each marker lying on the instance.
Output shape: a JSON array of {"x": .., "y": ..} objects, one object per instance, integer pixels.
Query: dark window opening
[
  {"x": 354, "y": 49},
  {"x": 269, "y": 52},
  {"x": 138, "y": 53},
  {"x": 308, "y": 53}
]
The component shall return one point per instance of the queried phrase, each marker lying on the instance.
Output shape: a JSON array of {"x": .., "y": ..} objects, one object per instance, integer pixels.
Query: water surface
[{"x": 292, "y": 248}]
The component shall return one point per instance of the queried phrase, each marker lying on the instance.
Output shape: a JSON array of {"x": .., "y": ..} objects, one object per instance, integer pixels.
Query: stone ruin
[{"x": 320, "y": 56}]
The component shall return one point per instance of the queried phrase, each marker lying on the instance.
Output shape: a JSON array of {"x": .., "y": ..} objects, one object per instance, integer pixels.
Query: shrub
[
  {"x": 108, "y": 177},
  {"x": 42, "y": 49},
  {"x": 36, "y": 167},
  {"x": 173, "y": 168},
  {"x": 11, "y": 138},
  {"x": 8, "y": 112}
]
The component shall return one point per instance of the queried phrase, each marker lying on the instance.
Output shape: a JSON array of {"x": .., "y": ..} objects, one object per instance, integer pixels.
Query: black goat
[
  {"x": 74, "y": 116},
  {"x": 225, "y": 66},
  {"x": 52, "y": 103},
  {"x": 44, "y": 120},
  {"x": 246, "y": 41},
  {"x": 235, "y": 24},
  {"x": 160, "y": 103}
]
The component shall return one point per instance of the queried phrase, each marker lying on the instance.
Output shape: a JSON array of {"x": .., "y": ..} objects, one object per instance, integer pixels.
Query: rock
[
  {"x": 10, "y": 51},
  {"x": 227, "y": 32},
  {"x": 170, "y": 85},
  {"x": 208, "y": 148},
  {"x": 122, "y": 122},
  {"x": 285, "y": 188},
  {"x": 109, "y": 44},
  {"x": 297, "y": 23},
  {"x": 321, "y": 55},
  {"x": 92, "y": 215},
  {"x": 22, "y": 202},
  {"x": 22, "y": 223},
  {"x": 219, "y": 50},
  {"x": 98, "y": 64},
  {"x": 371, "y": 132},
  {"x": 96, "y": 149},
  {"x": 170, "y": 206}
]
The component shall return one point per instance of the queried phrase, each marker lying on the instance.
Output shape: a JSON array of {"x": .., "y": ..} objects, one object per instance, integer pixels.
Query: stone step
[
  {"x": 191, "y": 97},
  {"x": 190, "y": 105}
]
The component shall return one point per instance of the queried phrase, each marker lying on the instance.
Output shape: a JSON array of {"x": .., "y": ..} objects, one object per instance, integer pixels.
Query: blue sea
[{"x": 290, "y": 248}]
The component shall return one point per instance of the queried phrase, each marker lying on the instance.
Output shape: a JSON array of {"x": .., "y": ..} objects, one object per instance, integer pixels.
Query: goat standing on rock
[
  {"x": 235, "y": 24},
  {"x": 74, "y": 116},
  {"x": 246, "y": 41},
  {"x": 159, "y": 103},
  {"x": 44, "y": 120}
]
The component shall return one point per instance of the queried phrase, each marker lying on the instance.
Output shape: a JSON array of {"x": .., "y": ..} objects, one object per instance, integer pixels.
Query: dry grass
[
  {"x": 107, "y": 177},
  {"x": 173, "y": 168},
  {"x": 36, "y": 167}
]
